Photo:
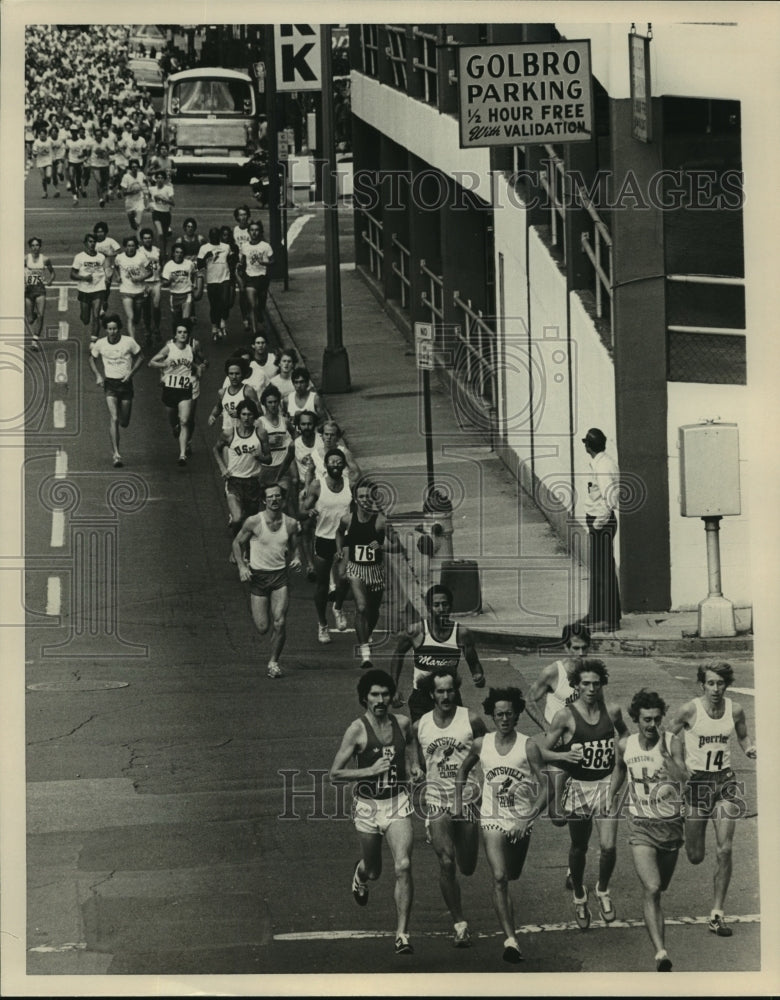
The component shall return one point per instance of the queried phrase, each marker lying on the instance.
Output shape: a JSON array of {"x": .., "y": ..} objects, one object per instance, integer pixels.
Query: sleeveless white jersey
[
  {"x": 444, "y": 750},
  {"x": 653, "y": 794},
  {"x": 278, "y": 439},
  {"x": 268, "y": 549},
  {"x": 177, "y": 373},
  {"x": 302, "y": 451},
  {"x": 509, "y": 787},
  {"x": 561, "y": 696},
  {"x": 244, "y": 455},
  {"x": 230, "y": 405},
  {"x": 707, "y": 742},
  {"x": 331, "y": 507}
]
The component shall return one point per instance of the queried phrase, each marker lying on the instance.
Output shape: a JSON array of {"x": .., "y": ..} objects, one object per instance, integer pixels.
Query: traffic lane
[{"x": 210, "y": 200}]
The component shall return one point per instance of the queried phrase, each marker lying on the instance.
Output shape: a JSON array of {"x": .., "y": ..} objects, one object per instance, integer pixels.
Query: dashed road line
[
  {"x": 61, "y": 464},
  {"x": 57, "y": 529},
  {"x": 53, "y": 596}
]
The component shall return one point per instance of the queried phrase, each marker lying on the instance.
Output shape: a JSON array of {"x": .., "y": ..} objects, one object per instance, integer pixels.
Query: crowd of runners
[
  {"x": 296, "y": 498},
  {"x": 662, "y": 784},
  {"x": 86, "y": 118}
]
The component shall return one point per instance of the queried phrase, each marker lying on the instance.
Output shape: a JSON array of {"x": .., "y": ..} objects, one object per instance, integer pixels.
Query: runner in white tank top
[
  {"x": 513, "y": 794},
  {"x": 444, "y": 736},
  {"x": 328, "y": 499},
  {"x": 702, "y": 729},
  {"x": 270, "y": 535}
]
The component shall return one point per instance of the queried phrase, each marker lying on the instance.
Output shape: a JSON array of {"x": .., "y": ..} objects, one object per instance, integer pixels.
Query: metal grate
[{"x": 703, "y": 357}]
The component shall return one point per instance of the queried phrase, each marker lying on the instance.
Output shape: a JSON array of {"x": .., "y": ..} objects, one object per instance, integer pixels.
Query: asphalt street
[{"x": 177, "y": 819}]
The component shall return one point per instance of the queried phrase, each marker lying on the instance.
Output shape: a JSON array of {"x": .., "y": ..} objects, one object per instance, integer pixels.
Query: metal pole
[
  {"x": 428, "y": 430},
  {"x": 335, "y": 362},
  {"x": 274, "y": 216},
  {"x": 716, "y": 613}
]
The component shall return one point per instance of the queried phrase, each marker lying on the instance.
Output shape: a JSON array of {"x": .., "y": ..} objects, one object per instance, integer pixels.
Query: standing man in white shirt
[{"x": 603, "y": 496}]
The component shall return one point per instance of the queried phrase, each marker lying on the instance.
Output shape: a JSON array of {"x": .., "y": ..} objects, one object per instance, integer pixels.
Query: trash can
[{"x": 462, "y": 578}]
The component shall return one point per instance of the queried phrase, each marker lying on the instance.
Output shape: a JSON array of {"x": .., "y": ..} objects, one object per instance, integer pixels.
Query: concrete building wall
[{"x": 432, "y": 136}]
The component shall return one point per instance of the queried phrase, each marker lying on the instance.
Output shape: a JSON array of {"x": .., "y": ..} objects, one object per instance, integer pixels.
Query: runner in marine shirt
[{"x": 437, "y": 645}]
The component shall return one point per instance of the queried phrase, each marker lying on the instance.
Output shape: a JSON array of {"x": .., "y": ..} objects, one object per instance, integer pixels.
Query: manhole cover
[{"x": 75, "y": 685}]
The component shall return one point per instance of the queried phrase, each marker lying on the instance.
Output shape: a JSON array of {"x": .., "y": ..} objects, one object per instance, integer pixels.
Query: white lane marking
[
  {"x": 57, "y": 529},
  {"x": 61, "y": 368},
  {"x": 59, "y": 414},
  {"x": 495, "y": 659},
  {"x": 53, "y": 596},
  {"x": 314, "y": 268},
  {"x": 59, "y": 948},
  {"x": 63, "y": 330},
  {"x": 748, "y": 691},
  {"x": 63, "y": 303},
  {"x": 345, "y": 935},
  {"x": 295, "y": 229},
  {"x": 61, "y": 464}
]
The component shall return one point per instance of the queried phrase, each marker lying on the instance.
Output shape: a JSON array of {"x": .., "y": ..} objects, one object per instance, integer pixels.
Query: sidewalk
[{"x": 530, "y": 586}]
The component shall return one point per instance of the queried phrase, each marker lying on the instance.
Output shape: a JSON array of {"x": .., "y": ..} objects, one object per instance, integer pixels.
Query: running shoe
[
  {"x": 56, "y": 194},
  {"x": 323, "y": 635},
  {"x": 719, "y": 926},
  {"x": 663, "y": 964},
  {"x": 118, "y": 463},
  {"x": 461, "y": 937},
  {"x": 274, "y": 670},
  {"x": 512, "y": 953},
  {"x": 402, "y": 945},
  {"x": 341, "y": 620},
  {"x": 359, "y": 889},
  {"x": 45, "y": 194},
  {"x": 366, "y": 665},
  {"x": 102, "y": 202},
  {"x": 606, "y": 908},
  {"x": 582, "y": 911},
  {"x": 182, "y": 460}
]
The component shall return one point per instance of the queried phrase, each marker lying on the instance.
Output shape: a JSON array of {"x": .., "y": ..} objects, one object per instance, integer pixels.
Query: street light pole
[
  {"x": 335, "y": 361},
  {"x": 275, "y": 237}
]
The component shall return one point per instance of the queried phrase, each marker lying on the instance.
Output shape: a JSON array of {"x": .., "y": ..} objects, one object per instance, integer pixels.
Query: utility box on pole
[
  {"x": 709, "y": 470},
  {"x": 709, "y": 489}
]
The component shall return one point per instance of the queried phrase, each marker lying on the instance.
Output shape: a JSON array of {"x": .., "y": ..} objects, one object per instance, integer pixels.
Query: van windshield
[{"x": 212, "y": 97}]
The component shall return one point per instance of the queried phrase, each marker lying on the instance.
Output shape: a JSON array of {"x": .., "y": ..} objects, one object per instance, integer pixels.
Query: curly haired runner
[
  {"x": 384, "y": 754},
  {"x": 513, "y": 795}
]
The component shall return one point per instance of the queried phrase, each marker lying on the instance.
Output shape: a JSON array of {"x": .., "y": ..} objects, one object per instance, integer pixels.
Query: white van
[{"x": 210, "y": 119}]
